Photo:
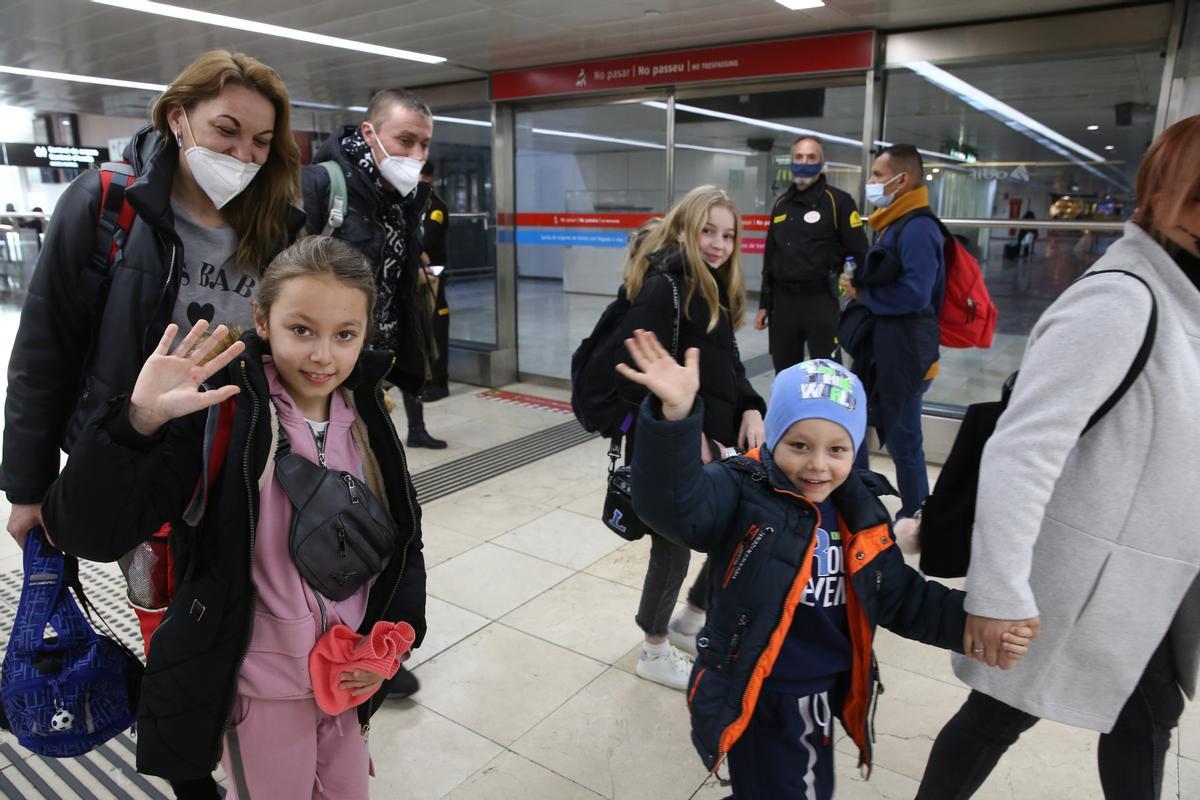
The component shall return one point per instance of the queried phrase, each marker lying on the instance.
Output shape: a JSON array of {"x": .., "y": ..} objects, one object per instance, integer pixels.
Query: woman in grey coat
[{"x": 1095, "y": 535}]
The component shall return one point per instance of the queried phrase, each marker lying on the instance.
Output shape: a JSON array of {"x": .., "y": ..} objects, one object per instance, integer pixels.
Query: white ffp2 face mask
[
  {"x": 222, "y": 177},
  {"x": 402, "y": 172}
]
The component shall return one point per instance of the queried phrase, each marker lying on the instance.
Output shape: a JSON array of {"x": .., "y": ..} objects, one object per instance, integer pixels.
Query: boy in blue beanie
[{"x": 804, "y": 567}]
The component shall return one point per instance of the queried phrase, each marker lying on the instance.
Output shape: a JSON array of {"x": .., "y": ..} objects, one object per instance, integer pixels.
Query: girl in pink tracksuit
[{"x": 228, "y": 670}]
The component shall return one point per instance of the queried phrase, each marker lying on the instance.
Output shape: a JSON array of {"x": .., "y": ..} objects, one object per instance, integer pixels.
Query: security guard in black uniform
[
  {"x": 813, "y": 228},
  {"x": 435, "y": 219}
]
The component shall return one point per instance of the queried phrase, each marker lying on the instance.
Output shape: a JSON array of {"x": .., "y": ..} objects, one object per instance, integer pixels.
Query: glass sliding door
[
  {"x": 1051, "y": 140},
  {"x": 586, "y": 175},
  {"x": 741, "y": 140},
  {"x": 462, "y": 159}
]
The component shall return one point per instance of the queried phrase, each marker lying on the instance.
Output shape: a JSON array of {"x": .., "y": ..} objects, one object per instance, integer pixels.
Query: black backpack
[
  {"x": 594, "y": 396},
  {"x": 948, "y": 515}
]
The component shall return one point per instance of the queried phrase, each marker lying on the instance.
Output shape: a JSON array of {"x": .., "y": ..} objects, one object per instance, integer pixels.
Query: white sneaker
[
  {"x": 683, "y": 641},
  {"x": 670, "y": 669}
]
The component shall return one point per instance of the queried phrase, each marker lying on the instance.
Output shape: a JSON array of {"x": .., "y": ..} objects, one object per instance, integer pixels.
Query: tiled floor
[
  {"x": 528, "y": 689},
  {"x": 528, "y": 672}
]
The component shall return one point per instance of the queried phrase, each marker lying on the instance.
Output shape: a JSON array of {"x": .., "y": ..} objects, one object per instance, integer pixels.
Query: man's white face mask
[{"x": 402, "y": 172}]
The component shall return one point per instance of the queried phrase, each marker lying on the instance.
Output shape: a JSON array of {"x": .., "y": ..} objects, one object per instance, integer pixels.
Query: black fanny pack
[{"x": 341, "y": 535}]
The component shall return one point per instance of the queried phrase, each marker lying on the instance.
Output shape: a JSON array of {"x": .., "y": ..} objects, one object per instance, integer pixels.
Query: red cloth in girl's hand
[{"x": 342, "y": 650}]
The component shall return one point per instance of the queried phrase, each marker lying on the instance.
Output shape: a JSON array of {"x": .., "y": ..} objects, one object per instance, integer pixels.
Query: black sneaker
[
  {"x": 405, "y": 684},
  {"x": 431, "y": 393},
  {"x": 421, "y": 438}
]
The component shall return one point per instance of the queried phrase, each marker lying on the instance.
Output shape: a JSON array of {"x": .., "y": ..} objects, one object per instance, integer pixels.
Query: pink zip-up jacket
[{"x": 290, "y": 616}]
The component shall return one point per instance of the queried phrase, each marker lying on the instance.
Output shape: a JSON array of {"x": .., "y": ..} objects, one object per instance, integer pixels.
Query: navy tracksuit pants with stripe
[{"x": 786, "y": 752}]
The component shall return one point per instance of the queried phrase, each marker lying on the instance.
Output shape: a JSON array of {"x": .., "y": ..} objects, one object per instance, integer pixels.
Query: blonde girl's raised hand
[
  {"x": 168, "y": 387},
  {"x": 673, "y": 383}
]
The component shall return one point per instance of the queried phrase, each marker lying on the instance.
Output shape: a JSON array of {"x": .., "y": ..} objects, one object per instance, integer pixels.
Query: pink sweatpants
[{"x": 291, "y": 749}]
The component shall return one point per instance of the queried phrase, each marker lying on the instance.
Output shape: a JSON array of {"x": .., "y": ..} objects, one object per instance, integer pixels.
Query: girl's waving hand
[
  {"x": 674, "y": 384},
  {"x": 168, "y": 387}
]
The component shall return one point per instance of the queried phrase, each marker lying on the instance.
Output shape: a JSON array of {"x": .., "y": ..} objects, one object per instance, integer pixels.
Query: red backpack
[
  {"x": 149, "y": 568},
  {"x": 112, "y": 229},
  {"x": 968, "y": 315}
]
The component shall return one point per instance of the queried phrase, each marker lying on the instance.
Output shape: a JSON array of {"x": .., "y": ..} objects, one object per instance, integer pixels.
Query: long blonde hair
[
  {"x": 258, "y": 214},
  {"x": 681, "y": 228}
]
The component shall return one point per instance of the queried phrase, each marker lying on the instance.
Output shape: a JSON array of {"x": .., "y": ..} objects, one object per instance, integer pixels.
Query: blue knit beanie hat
[{"x": 818, "y": 389}]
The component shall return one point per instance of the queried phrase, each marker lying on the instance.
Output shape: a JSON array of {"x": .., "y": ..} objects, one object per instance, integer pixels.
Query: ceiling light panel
[
  {"x": 1011, "y": 117},
  {"x": 722, "y": 150},
  {"x": 982, "y": 101},
  {"x": 481, "y": 123},
  {"x": 252, "y": 26},
  {"x": 758, "y": 123},
  {"x": 314, "y": 104},
  {"x": 591, "y": 137},
  {"x": 149, "y": 87},
  {"x": 93, "y": 79}
]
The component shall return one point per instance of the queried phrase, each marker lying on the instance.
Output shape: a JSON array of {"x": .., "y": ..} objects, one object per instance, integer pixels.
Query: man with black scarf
[{"x": 381, "y": 159}]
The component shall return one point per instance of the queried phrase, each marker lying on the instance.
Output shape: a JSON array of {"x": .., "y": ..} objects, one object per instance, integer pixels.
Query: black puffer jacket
[
  {"x": 65, "y": 363},
  {"x": 363, "y": 227},
  {"x": 726, "y": 391},
  {"x": 758, "y": 532},
  {"x": 812, "y": 231},
  {"x": 119, "y": 486}
]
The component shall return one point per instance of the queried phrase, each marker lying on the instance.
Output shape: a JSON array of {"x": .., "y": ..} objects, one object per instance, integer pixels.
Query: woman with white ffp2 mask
[
  {"x": 190, "y": 252},
  {"x": 221, "y": 176},
  {"x": 224, "y": 143}
]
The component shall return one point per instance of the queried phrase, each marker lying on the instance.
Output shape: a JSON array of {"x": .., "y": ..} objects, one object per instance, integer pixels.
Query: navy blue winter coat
[
  {"x": 892, "y": 331},
  {"x": 758, "y": 531}
]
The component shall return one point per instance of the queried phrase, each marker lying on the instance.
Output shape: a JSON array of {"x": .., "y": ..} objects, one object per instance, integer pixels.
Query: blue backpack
[{"x": 65, "y": 694}]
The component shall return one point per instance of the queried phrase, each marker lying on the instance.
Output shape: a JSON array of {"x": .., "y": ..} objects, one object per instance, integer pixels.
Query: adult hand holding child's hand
[
  {"x": 999, "y": 642},
  {"x": 168, "y": 385},
  {"x": 673, "y": 383}
]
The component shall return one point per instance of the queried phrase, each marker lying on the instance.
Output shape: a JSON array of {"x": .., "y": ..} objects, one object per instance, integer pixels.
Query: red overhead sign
[{"x": 802, "y": 56}]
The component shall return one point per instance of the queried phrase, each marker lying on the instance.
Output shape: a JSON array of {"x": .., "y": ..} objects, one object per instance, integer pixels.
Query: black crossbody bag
[
  {"x": 341, "y": 535},
  {"x": 618, "y": 515}
]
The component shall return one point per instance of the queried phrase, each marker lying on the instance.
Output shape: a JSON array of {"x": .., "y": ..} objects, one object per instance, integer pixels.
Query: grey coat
[{"x": 1098, "y": 535}]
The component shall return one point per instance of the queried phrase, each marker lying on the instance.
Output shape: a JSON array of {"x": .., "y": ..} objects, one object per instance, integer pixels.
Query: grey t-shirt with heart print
[{"x": 210, "y": 285}]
